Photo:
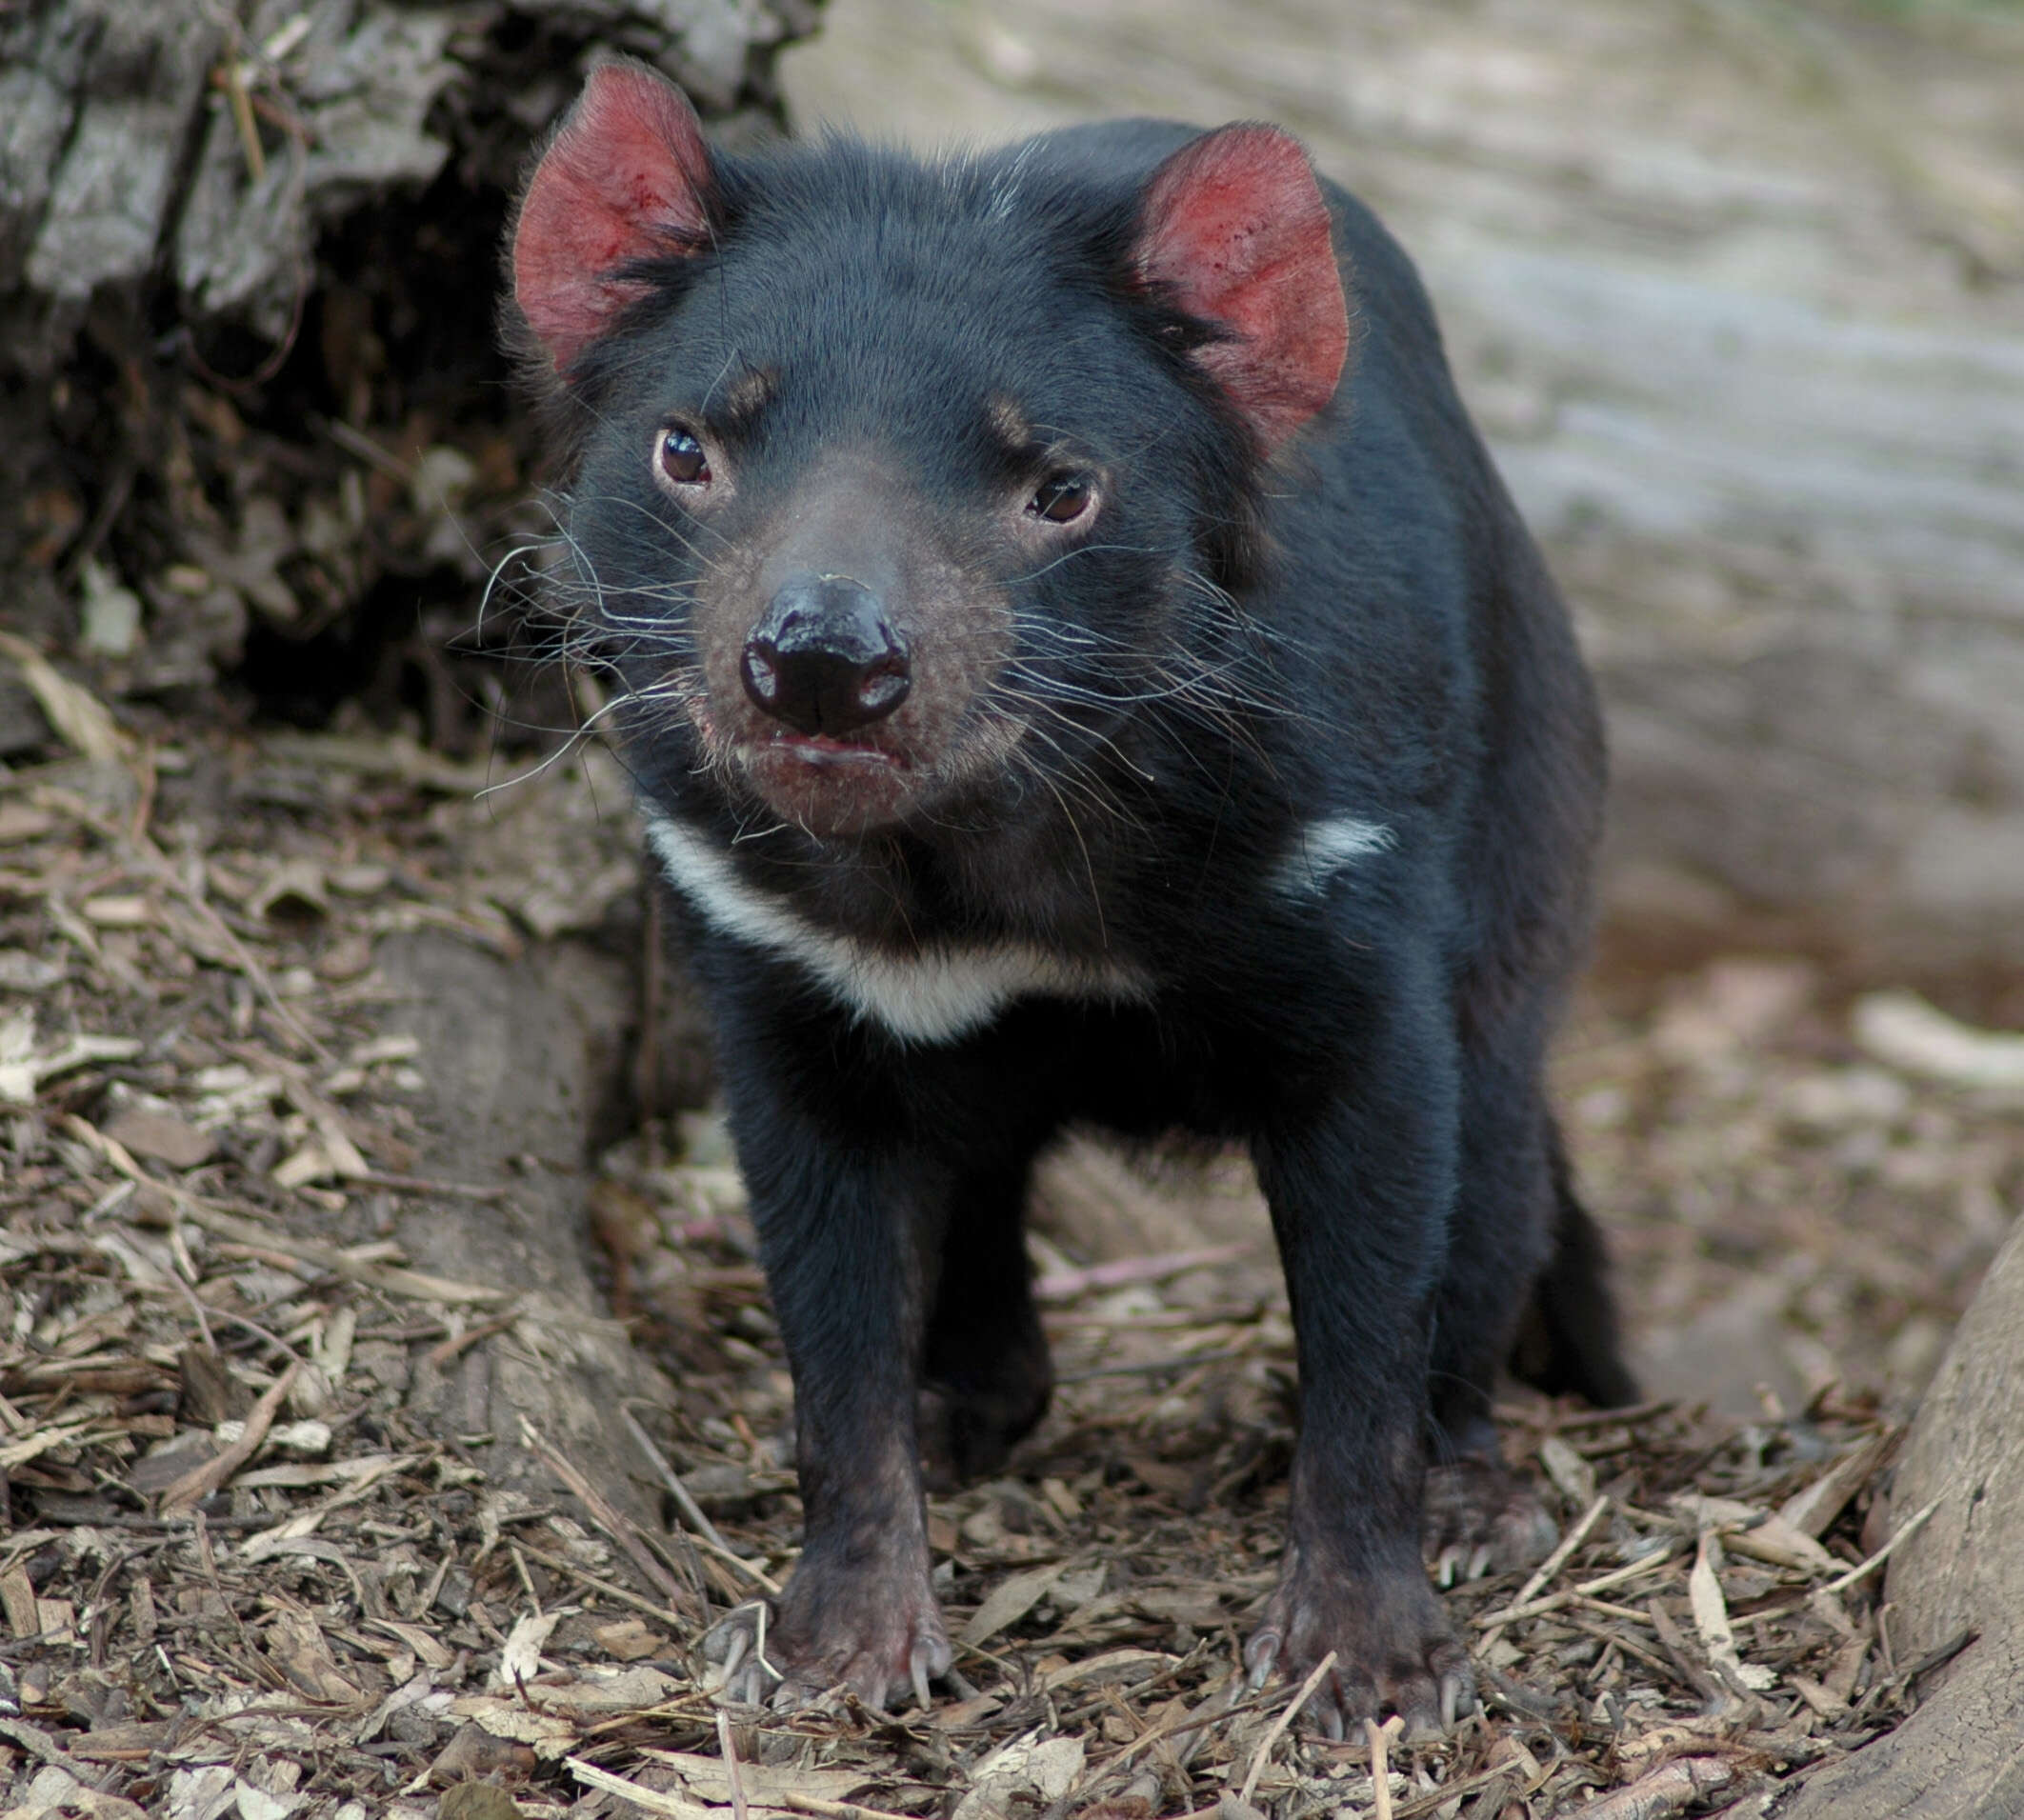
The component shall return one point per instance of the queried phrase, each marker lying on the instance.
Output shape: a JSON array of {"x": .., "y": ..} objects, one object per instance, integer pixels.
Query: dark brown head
[{"x": 898, "y": 479}]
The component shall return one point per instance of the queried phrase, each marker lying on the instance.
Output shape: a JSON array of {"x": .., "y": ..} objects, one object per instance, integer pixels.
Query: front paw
[
  {"x": 1393, "y": 1649},
  {"x": 877, "y": 1633}
]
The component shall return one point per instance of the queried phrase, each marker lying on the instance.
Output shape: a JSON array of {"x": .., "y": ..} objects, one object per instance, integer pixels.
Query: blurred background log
[{"x": 1737, "y": 290}]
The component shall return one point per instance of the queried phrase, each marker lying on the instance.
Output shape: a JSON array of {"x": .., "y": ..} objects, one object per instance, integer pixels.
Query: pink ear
[
  {"x": 626, "y": 177},
  {"x": 1235, "y": 231}
]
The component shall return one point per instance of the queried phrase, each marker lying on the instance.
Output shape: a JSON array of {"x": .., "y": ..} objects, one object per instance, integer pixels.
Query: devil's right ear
[{"x": 626, "y": 177}]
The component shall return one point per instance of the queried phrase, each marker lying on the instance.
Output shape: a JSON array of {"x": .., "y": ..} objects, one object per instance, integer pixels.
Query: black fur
[{"x": 1244, "y": 646}]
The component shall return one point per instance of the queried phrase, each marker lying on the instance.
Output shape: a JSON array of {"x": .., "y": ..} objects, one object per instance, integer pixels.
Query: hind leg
[
  {"x": 1481, "y": 1517},
  {"x": 987, "y": 1377},
  {"x": 1570, "y": 1345}
]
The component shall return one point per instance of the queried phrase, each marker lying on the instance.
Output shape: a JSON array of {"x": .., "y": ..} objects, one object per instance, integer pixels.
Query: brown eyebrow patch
[
  {"x": 746, "y": 396},
  {"x": 1007, "y": 424}
]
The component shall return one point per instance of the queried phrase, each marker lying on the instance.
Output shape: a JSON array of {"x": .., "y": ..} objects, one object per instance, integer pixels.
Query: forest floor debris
[{"x": 234, "y": 1575}]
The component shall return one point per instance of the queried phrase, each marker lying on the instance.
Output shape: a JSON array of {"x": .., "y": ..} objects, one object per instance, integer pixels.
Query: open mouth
[
  {"x": 823, "y": 751},
  {"x": 828, "y": 786}
]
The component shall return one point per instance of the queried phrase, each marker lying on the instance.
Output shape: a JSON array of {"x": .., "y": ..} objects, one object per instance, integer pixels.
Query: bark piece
[{"x": 1961, "y": 1755}]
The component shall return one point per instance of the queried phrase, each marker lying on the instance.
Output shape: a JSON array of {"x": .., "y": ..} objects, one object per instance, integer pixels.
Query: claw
[
  {"x": 1478, "y": 1562},
  {"x": 918, "y": 1666},
  {"x": 1454, "y": 1694},
  {"x": 1260, "y": 1656}
]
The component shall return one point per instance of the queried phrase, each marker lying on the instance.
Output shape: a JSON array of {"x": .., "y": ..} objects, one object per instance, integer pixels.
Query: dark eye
[
  {"x": 1061, "y": 498},
  {"x": 683, "y": 460}
]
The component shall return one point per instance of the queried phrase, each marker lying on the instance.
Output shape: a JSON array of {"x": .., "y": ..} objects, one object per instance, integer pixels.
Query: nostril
[
  {"x": 883, "y": 685},
  {"x": 761, "y": 676}
]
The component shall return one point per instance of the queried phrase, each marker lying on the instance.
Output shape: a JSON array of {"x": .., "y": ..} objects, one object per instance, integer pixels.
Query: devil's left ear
[
  {"x": 626, "y": 177},
  {"x": 1233, "y": 229}
]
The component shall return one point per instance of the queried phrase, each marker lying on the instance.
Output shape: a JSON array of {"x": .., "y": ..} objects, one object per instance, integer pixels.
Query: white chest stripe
[
  {"x": 933, "y": 995},
  {"x": 1323, "y": 848}
]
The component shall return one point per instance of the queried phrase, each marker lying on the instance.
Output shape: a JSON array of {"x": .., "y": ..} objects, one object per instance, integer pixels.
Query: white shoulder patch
[
  {"x": 1323, "y": 848},
  {"x": 933, "y": 995}
]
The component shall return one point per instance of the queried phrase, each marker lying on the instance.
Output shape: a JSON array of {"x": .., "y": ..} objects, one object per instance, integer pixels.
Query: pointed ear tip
[
  {"x": 1258, "y": 139},
  {"x": 628, "y": 86}
]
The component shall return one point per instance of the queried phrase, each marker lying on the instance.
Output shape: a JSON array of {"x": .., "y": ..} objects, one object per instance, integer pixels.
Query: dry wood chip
[
  {"x": 613, "y": 1522},
  {"x": 1573, "y": 1476},
  {"x": 1009, "y": 1601},
  {"x": 520, "y": 1660},
  {"x": 709, "y": 1778},
  {"x": 476, "y": 1801},
  {"x": 1711, "y": 1617},
  {"x": 547, "y": 1734},
  {"x": 168, "y": 1139},
  {"x": 22, "y": 1071},
  {"x": 428, "y": 1649},
  {"x": 1667, "y": 1790},
  {"x": 628, "y": 1639},
  {"x": 200, "y": 1482},
  {"x": 1902, "y": 1030},
  {"x": 1114, "y": 1668},
  {"x": 295, "y": 1643},
  {"x": 1811, "y": 1511},
  {"x": 17, "y": 1594},
  {"x": 118, "y": 910},
  {"x": 292, "y": 891},
  {"x": 649, "y": 1800},
  {"x": 1747, "y": 1529},
  {"x": 1032, "y": 1769},
  {"x": 1063, "y": 1286},
  {"x": 78, "y": 716},
  {"x": 20, "y": 821},
  {"x": 31, "y": 1447}
]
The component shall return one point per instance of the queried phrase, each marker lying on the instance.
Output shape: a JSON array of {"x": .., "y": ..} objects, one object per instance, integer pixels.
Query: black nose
[{"x": 825, "y": 659}]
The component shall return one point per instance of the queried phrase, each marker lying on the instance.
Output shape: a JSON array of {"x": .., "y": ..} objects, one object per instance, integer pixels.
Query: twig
[
  {"x": 647, "y": 1800},
  {"x": 201, "y": 1481},
  {"x": 1842, "y": 1582},
  {"x": 1553, "y": 1563},
  {"x": 692, "y": 1512},
  {"x": 1278, "y": 1727},
  {"x": 1198, "y": 1719},
  {"x": 557, "y": 1564},
  {"x": 1380, "y": 1737},
  {"x": 733, "y": 1769},
  {"x": 678, "y": 1808},
  {"x": 612, "y": 1522},
  {"x": 428, "y": 1185},
  {"x": 832, "y": 1810},
  {"x": 213, "y": 1219},
  {"x": 152, "y": 860},
  {"x": 1553, "y": 1601},
  {"x": 443, "y": 1351}
]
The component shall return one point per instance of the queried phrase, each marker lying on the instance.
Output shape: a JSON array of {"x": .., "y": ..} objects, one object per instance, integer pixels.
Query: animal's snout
[{"x": 825, "y": 658}]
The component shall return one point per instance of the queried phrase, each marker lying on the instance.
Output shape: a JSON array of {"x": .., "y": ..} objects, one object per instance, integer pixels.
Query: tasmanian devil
[{"x": 1080, "y": 665}]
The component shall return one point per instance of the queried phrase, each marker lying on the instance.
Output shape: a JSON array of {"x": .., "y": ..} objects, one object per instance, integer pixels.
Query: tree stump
[{"x": 248, "y": 253}]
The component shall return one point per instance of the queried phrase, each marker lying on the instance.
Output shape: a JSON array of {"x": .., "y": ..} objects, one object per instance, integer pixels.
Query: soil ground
[{"x": 242, "y": 1568}]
